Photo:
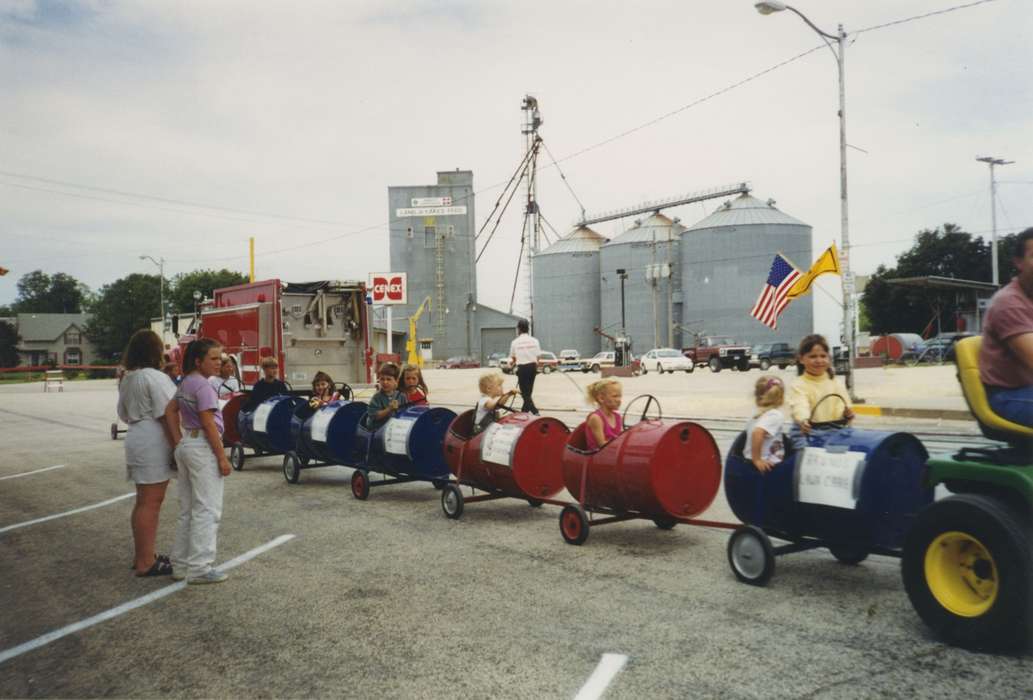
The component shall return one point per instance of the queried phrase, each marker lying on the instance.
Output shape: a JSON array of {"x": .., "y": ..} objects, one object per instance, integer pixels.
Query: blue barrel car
[
  {"x": 323, "y": 436},
  {"x": 267, "y": 428}
]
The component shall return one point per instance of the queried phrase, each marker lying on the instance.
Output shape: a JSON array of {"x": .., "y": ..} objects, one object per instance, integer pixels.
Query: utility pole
[
  {"x": 532, "y": 216},
  {"x": 992, "y": 162},
  {"x": 654, "y": 278}
]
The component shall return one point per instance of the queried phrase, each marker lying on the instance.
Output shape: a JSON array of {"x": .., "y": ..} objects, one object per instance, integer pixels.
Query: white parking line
[
  {"x": 108, "y": 502},
  {"x": 34, "y": 471},
  {"x": 609, "y": 666},
  {"x": 131, "y": 605}
]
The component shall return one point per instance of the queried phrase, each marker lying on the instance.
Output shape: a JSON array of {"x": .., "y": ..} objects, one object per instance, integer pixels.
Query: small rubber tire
[
  {"x": 574, "y": 524},
  {"x": 237, "y": 457},
  {"x": 751, "y": 556},
  {"x": 765, "y": 365},
  {"x": 991, "y": 595},
  {"x": 665, "y": 523},
  {"x": 714, "y": 364},
  {"x": 849, "y": 555},
  {"x": 360, "y": 484},
  {"x": 291, "y": 468},
  {"x": 114, "y": 431},
  {"x": 534, "y": 503},
  {"x": 452, "y": 501}
]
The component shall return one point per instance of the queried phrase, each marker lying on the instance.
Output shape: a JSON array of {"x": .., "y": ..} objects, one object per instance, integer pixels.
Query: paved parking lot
[{"x": 387, "y": 598}]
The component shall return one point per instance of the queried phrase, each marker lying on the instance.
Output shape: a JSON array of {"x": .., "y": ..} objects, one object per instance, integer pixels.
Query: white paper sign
[
  {"x": 829, "y": 478},
  {"x": 320, "y": 422},
  {"x": 498, "y": 443},
  {"x": 261, "y": 417},
  {"x": 396, "y": 435}
]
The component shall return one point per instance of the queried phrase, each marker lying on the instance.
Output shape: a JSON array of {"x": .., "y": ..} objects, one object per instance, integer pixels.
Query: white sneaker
[
  {"x": 212, "y": 576},
  {"x": 177, "y": 574}
]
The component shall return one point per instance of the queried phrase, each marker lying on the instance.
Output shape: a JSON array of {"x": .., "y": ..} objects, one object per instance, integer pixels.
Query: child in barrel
[
  {"x": 268, "y": 386},
  {"x": 413, "y": 385},
  {"x": 816, "y": 397},
  {"x": 605, "y": 422},
  {"x": 764, "y": 446},
  {"x": 492, "y": 395},
  {"x": 388, "y": 400}
]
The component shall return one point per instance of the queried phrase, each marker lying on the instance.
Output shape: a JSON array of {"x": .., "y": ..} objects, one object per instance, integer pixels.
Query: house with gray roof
[{"x": 54, "y": 338}]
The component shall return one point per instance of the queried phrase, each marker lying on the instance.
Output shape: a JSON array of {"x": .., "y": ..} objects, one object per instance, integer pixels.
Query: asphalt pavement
[{"x": 388, "y": 598}]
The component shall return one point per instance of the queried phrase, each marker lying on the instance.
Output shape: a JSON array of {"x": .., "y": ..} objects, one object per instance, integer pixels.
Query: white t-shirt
[
  {"x": 772, "y": 449},
  {"x": 224, "y": 387},
  {"x": 525, "y": 348},
  {"x": 482, "y": 409}
]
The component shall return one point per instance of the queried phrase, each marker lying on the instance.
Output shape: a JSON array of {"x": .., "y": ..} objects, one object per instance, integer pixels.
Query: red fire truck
[{"x": 307, "y": 327}]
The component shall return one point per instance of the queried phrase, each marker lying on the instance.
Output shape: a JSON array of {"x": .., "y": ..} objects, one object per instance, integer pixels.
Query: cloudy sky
[{"x": 179, "y": 129}]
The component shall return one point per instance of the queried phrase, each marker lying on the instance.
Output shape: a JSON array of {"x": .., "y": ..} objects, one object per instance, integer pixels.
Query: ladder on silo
[{"x": 439, "y": 289}]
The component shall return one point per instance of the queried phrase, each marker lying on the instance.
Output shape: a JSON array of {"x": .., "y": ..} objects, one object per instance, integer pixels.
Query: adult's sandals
[{"x": 160, "y": 567}]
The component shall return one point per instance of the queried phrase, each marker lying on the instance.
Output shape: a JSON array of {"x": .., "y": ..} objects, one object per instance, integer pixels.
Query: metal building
[
  {"x": 725, "y": 260},
  {"x": 566, "y": 293},
  {"x": 432, "y": 230},
  {"x": 648, "y": 253}
]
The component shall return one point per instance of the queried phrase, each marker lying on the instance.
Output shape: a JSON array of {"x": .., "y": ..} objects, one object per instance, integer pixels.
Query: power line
[{"x": 905, "y": 20}]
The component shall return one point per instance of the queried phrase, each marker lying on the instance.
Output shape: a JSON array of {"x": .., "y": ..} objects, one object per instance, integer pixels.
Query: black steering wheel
[
  {"x": 344, "y": 390},
  {"x": 650, "y": 400},
  {"x": 507, "y": 403},
  {"x": 829, "y": 424}
]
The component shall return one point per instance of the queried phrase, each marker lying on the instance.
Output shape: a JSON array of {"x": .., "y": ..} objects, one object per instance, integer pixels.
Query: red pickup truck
[{"x": 719, "y": 352}]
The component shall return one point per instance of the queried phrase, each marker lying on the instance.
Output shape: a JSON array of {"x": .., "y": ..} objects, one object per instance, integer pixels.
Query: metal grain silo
[
  {"x": 725, "y": 260},
  {"x": 648, "y": 253},
  {"x": 566, "y": 293}
]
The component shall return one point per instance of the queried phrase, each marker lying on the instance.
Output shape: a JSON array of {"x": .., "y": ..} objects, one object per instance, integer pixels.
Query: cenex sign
[{"x": 387, "y": 287}]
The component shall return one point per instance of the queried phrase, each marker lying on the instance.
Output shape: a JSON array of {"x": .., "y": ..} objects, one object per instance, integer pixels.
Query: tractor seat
[{"x": 993, "y": 426}]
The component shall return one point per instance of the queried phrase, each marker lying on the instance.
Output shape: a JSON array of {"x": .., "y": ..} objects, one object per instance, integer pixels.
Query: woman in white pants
[
  {"x": 144, "y": 392},
  {"x": 196, "y": 423}
]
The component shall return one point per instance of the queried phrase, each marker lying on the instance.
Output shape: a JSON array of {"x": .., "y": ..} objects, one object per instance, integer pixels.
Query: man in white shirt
[{"x": 524, "y": 351}]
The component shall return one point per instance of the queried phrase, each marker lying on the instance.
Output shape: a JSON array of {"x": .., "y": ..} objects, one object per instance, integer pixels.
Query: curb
[{"x": 934, "y": 413}]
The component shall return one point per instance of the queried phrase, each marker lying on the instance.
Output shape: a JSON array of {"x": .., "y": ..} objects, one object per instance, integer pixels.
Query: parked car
[
  {"x": 462, "y": 362},
  {"x": 666, "y": 360},
  {"x": 569, "y": 360},
  {"x": 598, "y": 361},
  {"x": 781, "y": 355},
  {"x": 547, "y": 362},
  {"x": 494, "y": 358}
]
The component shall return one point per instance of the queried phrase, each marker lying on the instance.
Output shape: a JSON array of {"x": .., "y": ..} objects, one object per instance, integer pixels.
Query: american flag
[{"x": 772, "y": 299}]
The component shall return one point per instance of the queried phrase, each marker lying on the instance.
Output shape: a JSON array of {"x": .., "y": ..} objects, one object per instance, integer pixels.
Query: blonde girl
[
  {"x": 413, "y": 386},
  {"x": 764, "y": 446},
  {"x": 492, "y": 395},
  {"x": 605, "y": 422}
]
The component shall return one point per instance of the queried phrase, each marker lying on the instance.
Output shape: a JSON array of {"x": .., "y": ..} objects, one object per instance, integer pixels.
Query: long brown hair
[
  {"x": 196, "y": 351},
  {"x": 144, "y": 349},
  {"x": 808, "y": 343}
]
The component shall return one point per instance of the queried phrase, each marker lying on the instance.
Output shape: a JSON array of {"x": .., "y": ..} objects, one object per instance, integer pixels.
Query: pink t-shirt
[
  {"x": 1010, "y": 315},
  {"x": 195, "y": 394},
  {"x": 609, "y": 431}
]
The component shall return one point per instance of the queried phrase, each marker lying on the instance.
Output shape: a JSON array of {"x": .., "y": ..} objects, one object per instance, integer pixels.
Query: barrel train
[{"x": 967, "y": 560}]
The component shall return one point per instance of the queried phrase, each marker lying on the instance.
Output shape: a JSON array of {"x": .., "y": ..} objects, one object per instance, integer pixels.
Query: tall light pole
[
  {"x": 160, "y": 262},
  {"x": 766, "y": 7},
  {"x": 993, "y": 162}
]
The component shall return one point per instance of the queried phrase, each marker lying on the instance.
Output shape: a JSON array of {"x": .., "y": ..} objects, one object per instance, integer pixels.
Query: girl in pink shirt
[{"x": 604, "y": 423}]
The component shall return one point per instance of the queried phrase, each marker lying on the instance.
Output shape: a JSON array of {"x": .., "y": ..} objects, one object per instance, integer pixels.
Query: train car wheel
[
  {"x": 751, "y": 555},
  {"x": 360, "y": 484},
  {"x": 574, "y": 524},
  {"x": 291, "y": 468},
  {"x": 237, "y": 457},
  {"x": 968, "y": 570},
  {"x": 114, "y": 431},
  {"x": 845, "y": 554},
  {"x": 452, "y": 501},
  {"x": 665, "y": 523},
  {"x": 534, "y": 503}
]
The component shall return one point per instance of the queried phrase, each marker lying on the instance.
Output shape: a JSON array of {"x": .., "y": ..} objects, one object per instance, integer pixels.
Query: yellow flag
[{"x": 828, "y": 262}]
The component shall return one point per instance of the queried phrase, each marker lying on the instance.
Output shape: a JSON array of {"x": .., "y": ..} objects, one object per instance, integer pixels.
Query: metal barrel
[
  {"x": 658, "y": 468},
  {"x": 410, "y": 443},
  {"x": 854, "y": 487},
  {"x": 230, "y": 414},
  {"x": 520, "y": 455},
  {"x": 328, "y": 433},
  {"x": 268, "y": 427}
]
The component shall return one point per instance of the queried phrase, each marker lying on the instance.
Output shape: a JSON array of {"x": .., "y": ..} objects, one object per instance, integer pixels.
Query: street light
[
  {"x": 991, "y": 161},
  {"x": 160, "y": 262},
  {"x": 766, "y": 7}
]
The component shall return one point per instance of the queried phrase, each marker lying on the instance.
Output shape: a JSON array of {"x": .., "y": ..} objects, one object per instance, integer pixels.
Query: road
[{"x": 387, "y": 598}]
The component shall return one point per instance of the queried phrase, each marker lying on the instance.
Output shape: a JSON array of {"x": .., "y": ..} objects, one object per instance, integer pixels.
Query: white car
[
  {"x": 597, "y": 362},
  {"x": 665, "y": 360}
]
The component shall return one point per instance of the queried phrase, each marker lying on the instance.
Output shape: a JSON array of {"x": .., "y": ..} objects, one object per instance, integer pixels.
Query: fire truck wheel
[
  {"x": 291, "y": 468},
  {"x": 237, "y": 457},
  {"x": 360, "y": 484}
]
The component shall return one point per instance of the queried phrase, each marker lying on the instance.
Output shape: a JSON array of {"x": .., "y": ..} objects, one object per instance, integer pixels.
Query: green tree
[
  {"x": 40, "y": 293},
  {"x": 120, "y": 309},
  {"x": 183, "y": 286},
  {"x": 944, "y": 252},
  {"x": 8, "y": 345}
]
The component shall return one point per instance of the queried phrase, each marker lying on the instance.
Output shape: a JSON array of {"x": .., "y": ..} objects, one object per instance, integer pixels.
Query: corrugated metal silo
[
  {"x": 652, "y": 242},
  {"x": 725, "y": 260},
  {"x": 566, "y": 293}
]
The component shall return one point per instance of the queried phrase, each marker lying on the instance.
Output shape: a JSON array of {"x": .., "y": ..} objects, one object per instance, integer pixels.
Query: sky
[{"x": 180, "y": 129}]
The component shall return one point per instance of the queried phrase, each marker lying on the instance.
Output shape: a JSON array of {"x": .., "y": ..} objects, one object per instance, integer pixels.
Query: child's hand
[
  {"x": 805, "y": 427},
  {"x": 849, "y": 414},
  {"x": 763, "y": 465},
  {"x": 393, "y": 406}
]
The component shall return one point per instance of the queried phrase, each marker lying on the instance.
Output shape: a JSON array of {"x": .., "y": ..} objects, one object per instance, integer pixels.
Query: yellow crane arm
[{"x": 414, "y": 355}]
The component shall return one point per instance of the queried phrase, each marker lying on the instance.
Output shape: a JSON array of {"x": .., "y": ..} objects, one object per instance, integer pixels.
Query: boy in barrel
[{"x": 386, "y": 402}]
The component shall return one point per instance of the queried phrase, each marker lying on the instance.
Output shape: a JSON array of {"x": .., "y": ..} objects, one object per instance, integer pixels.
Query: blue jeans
[{"x": 1015, "y": 405}]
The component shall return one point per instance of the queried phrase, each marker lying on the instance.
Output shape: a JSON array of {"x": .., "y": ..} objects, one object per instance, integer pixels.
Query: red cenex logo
[{"x": 388, "y": 287}]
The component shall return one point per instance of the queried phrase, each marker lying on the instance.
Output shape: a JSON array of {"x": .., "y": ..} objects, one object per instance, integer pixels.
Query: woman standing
[
  {"x": 202, "y": 464},
  {"x": 144, "y": 392}
]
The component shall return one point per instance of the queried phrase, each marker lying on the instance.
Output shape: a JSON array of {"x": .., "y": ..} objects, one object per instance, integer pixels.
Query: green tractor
[{"x": 968, "y": 558}]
